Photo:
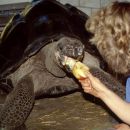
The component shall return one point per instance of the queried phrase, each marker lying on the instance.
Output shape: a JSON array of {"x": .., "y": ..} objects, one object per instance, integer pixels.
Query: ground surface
[{"x": 71, "y": 112}]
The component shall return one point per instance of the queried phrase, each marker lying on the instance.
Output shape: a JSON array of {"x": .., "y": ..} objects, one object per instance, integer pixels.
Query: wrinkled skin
[{"x": 43, "y": 75}]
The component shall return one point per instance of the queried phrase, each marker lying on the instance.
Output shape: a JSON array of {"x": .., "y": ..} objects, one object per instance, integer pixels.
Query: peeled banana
[{"x": 78, "y": 69}]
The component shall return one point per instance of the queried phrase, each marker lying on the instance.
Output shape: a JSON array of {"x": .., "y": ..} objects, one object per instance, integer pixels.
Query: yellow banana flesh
[{"x": 78, "y": 69}]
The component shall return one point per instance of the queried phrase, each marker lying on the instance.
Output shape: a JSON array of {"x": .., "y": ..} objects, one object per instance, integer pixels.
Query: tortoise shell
[{"x": 40, "y": 23}]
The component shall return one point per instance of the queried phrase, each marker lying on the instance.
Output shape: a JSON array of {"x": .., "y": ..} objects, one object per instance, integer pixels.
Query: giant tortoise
[{"x": 28, "y": 66}]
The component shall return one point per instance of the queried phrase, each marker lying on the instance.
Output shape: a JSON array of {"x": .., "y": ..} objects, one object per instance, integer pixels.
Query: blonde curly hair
[{"x": 111, "y": 29}]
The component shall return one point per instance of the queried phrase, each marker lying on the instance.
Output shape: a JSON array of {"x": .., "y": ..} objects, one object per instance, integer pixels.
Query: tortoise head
[
  {"x": 55, "y": 52},
  {"x": 70, "y": 47}
]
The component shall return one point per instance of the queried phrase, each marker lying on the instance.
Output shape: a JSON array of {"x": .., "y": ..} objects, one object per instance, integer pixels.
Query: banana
[{"x": 78, "y": 69}]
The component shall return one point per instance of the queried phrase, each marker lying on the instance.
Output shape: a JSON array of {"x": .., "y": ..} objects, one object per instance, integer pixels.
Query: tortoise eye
[{"x": 59, "y": 46}]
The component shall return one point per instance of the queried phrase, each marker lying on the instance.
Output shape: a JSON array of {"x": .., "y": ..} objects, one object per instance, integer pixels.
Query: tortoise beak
[{"x": 61, "y": 59}]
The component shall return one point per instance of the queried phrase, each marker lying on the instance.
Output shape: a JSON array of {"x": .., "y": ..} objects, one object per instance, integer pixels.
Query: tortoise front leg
[
  {"x": 109, "y": 81},
  {"x": 18, "y": 105}
]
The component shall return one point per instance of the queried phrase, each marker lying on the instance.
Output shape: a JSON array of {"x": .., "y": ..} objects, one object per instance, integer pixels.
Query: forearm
[{"x": 117, "y": 105}]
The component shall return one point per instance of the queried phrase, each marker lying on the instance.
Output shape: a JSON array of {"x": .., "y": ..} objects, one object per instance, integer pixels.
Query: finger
[
  {"x": 88, "y": 89},
  {"x": 85, "y": 81},
  {"x": 118, "y": 126},
  {"x": 86, "y": 84},
  {"x": 92, "y": 92}
]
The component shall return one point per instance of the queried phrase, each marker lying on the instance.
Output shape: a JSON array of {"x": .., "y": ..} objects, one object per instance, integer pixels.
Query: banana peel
[{"x": 78, "y": 69}]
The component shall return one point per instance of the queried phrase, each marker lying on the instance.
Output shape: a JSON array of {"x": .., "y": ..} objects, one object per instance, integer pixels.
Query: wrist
[{"x": 104, "y": 93}]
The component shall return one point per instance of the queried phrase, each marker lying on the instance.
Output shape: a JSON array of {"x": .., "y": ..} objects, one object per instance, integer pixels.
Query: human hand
[
  {"x": 122, "y": 126},
  {"x": 93, "y": 85}
]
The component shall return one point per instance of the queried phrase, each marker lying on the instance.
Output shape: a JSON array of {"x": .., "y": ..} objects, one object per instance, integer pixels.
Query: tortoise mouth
[{"x": 60, "y": 58}]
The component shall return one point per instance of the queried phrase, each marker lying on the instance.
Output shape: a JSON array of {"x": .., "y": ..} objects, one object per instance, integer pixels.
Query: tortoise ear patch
[{"x": 50, "y": 61}]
